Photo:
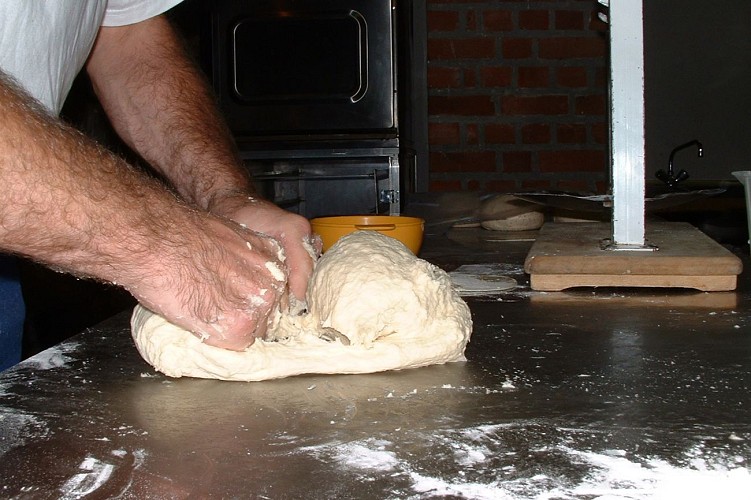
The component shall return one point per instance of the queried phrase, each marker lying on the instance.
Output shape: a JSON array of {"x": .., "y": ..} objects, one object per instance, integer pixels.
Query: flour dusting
[
  {"x": 621, "y": 477},
  {"x": 478, "y": 463},
  {"x": 54, "y": 357},
  {"x": 18, "y": 428},
  {"x": 94, "y": 473},
  {"x": 371, "y": 454}
]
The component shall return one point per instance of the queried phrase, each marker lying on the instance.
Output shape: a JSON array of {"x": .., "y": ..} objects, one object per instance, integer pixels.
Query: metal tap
[{"x": 669, "y": 177}]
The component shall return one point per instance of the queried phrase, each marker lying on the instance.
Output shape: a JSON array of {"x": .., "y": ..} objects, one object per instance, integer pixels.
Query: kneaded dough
[
  {"x": 398, "y": 311},
  {"x": 522, "y": 222}
]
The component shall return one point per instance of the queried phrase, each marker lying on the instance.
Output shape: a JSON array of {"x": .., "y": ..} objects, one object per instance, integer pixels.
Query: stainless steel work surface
[{"x": 583, "y": 394}]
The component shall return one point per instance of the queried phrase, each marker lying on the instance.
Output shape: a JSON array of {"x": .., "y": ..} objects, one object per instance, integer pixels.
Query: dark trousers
[{"x": 12, "y": 312}]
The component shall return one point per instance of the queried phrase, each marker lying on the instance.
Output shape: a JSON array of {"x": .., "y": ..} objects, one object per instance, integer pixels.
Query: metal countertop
[{"x": 564, "y": 395}]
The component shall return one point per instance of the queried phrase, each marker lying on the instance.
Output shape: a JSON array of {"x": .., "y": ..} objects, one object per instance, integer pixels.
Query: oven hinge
[{"x": 390, "y": 196}]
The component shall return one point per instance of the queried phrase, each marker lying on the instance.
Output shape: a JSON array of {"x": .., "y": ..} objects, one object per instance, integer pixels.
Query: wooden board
[
  {"x": 653, "y": 298},
  {"x": 571, "y": 255}
]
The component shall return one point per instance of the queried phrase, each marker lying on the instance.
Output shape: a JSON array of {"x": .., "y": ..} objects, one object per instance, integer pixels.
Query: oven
[
  {"x": 311, "y": 92},
  {"x": 323, "y": 181},
  {"x": 305, "y": 67}
]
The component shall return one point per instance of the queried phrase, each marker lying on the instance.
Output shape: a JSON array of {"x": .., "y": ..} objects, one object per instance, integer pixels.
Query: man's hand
[
  {"x": 215, "y": 278},
  {"x": 290, "y": 230},
  {"x": 201, "y": 271},
  {"x": 162, "y": 107}
]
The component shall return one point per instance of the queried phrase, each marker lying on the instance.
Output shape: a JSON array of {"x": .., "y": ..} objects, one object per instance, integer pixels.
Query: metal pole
[{"x": 627, "y": 124}]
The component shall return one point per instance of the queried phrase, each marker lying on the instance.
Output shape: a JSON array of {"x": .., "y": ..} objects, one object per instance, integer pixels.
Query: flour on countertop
[
  {"x": 370, "y": 455},
  {"x": 94, "y": 473},
  {"x": 481, "y": 279},
  {"x": 472, "y": 452},
  {"x": 16, "y": 429},
  {"x": 54, "y": 357}
]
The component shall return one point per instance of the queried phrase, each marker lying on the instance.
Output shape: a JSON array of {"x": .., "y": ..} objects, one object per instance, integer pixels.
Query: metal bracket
[
  {"x": 390, "y": 196},
  {"x": 610, "y": 245}
]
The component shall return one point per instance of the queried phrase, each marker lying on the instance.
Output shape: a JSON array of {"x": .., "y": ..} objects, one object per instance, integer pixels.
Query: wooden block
[
  {"x": 674, "y": 299},
  {"x": 571, "y": 255}
]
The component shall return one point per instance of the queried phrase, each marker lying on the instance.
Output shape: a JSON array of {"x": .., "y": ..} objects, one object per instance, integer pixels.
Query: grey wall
[{"x": 698, "y": 84}]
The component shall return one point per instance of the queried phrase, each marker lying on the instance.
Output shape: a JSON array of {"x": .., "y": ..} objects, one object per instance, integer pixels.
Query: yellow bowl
[{"x": 408, "y": 230}]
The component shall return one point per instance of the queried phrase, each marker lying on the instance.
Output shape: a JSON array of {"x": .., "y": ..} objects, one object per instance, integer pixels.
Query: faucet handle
[
  {"x": 669, "y": 177},
  {"x": 663, "y": 176},
  {"x": 682, "y": 176}
]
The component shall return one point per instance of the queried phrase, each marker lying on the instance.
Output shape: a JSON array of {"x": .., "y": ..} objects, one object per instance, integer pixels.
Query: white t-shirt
[{"x": 45, "y": 43}]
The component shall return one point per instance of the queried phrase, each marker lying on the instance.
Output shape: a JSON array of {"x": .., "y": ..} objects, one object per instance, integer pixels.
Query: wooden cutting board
[{"x": 567, "y": 255}]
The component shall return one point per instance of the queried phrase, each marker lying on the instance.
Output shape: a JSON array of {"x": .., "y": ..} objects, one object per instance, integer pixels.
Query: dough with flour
[{"x": 398, "y": 311}]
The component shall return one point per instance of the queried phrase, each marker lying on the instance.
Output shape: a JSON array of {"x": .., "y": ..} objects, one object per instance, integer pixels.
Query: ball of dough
[
  {"x": 506, "y": 212},
  {"x": 396, "y": 310},
  {"x": 370, "y": 286},
  {"x": 524, "y": 222}
]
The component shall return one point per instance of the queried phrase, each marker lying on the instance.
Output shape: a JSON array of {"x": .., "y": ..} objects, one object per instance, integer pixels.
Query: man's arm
[
  {"x": 161, "y": 106},
  {"x": 72, "y": 205}
]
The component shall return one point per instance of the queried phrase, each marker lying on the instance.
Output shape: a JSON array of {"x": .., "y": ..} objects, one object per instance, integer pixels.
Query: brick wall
[{"x": 517, "y": 95}]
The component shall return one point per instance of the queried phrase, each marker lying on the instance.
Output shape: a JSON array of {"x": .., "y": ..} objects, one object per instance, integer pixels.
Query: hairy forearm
[
  {"x": 71, "y": 204},
  {"x": 161, "y": 106}
]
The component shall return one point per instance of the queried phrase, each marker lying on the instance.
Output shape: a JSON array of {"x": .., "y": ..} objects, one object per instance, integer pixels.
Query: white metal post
[{"x": 627, "y": 123}]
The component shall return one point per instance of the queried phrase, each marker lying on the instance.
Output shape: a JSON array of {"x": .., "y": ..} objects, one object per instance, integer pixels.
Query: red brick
[
  {"x": 517, "y": 161},
  {"x": 531, "y": 77},
  {"x": 601, "y": 132},
  {"x": 580, "y": 186},
  {"x": 597, "y": 24},
  {"x": 450, "y": 1},
  {"x": 572, "y": 161},
  {"x": 461, "y": 105},
  {"x": 445, "y": 185},
  {"x": 467, "y": 161},
  {"x": 569, "y": 20},
  {"x": 534, "y": 20},
  {"x": 535, "y": 105},
  {"x": 472, "y": 134},
  {"x": 496, "y": 76},
  {"x": 471, "y": 20},
  {"x": 536, "y": 133},
  {"x": 455, "y": 1},
  {"x": 438, "y": 161},
  {"x": 500, "y": 133},
  {"x": 462, "y": 48},
  {"x": 503, "y": 93},
  {"x": 443, "y": 133},
  {"x": 498, "y": 20},
  {"x": 591, "y": 105},
  {"x": 470, "y": 78},
  {"x": 516, "y": 48},
  {"x": 571, "y": 77},
  {"x": 441, "y": 77},
  {"x": 536, "y": 185},
  {"x": 571, "y": 133},
  {"x": 602, "y": 77},
  {"x": 499, "y": 186},
  {"x": 571, "y": 47},
  {"x": 442, "y": 21}
]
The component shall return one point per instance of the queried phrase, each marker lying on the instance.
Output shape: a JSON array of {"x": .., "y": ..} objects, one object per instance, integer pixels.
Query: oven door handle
[{"x": 320, "y": 177}]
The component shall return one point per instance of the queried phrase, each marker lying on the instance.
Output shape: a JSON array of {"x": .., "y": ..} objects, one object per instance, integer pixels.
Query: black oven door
[{"x": 295, "y": 67}]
